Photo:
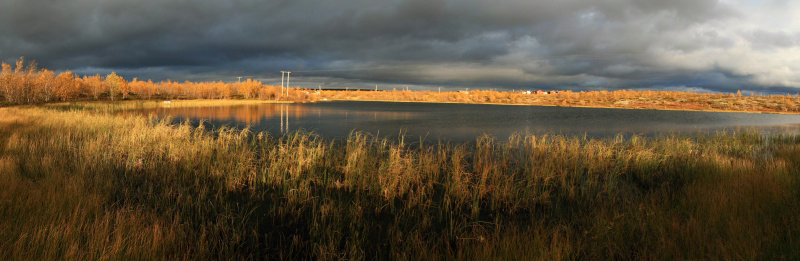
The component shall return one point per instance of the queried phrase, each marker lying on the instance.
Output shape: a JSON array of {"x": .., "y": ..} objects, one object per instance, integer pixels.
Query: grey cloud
[
  {"x": 506, "y": 43},
  {"x": 773, "y": 39}
]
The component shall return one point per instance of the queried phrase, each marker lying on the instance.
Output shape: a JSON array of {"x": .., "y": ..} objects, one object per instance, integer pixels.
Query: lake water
[{"x": 463, "y": 122}]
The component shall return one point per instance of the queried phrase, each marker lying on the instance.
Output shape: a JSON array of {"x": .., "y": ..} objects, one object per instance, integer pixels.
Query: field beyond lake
[{"x": 88, "y": 183}]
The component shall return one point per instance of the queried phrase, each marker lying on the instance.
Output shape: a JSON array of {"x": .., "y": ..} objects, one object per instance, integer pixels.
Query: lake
[{"x": 463, "y": 122}]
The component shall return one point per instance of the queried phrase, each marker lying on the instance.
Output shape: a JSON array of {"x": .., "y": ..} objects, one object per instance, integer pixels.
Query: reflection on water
[
  {"x": 465, "y": 122},
  {"x": 248, "y": 114},
  {"x": 268, "y": 116}
]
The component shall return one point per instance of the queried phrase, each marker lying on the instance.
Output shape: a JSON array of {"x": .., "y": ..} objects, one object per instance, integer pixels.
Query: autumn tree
[
  {"x": 124, "y": 89},
  {"x": 65, "y": 86},
  {"x": 23, "y": 80},
  {"x": 6, "y": 91},
  {"x": 224, "y": 90},
  {"x": 94, "y": 84},
  {"x": 170, "y": 89},
  {"x": 113, "y": 82},
  {"x": 44, "y": 86},
  {"x": 247, "y": 89},
  {"x": 143, "y": 90}
]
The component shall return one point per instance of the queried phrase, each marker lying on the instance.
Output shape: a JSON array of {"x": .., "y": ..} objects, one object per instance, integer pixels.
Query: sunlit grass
[
  {"x": 623, "y": 99},
  {"x": 80, "y": 183}
]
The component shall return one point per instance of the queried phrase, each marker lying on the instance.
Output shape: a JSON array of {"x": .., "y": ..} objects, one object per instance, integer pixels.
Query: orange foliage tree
[
  {"x": 66, "y": 86},
  {"x": 114, "y": 84},
  {"x": 95, "y": 85}
]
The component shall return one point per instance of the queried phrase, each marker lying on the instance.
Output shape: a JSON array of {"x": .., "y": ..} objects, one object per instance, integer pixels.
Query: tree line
[{"x": 25, "y": 83}]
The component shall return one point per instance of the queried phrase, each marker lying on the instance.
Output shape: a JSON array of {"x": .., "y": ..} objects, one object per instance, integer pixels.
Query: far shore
[
  {"x": 575, "y": 106},
  {"x": 163, "y": 103}
]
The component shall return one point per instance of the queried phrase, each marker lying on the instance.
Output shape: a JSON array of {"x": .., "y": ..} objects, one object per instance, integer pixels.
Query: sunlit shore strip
[
  {"x": 572, "y": 106},
  {"x": 139, "y": 104}
]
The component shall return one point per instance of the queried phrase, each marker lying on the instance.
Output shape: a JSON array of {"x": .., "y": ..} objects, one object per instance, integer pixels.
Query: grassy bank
[
  {"x": 84, "y": 184},
  {"x": 621, "y": 99}
]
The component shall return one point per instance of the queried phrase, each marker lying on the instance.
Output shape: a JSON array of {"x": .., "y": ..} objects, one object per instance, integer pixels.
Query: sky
[{"x": 700, "y": 45}]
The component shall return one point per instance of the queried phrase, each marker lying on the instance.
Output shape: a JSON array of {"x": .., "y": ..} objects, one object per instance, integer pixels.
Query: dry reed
[{"x": 86, "y": 184}]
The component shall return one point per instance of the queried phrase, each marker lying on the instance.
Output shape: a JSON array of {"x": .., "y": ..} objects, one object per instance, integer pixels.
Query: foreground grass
[{"x": 91, "y": 185}]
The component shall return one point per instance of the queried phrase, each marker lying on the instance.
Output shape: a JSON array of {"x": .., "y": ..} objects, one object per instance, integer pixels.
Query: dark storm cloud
[{"x": 506, "y": 43}]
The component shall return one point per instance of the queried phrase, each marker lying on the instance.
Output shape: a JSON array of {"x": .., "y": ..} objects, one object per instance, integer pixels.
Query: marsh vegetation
[{"x": 89, "y": 184}]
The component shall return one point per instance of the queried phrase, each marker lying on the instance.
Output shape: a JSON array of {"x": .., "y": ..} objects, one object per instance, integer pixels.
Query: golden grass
[
  {"x": 86, "y": 184},
  {"x": 622, "y": 99}
]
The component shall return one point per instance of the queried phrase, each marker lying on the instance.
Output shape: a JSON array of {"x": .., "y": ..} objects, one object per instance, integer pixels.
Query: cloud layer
[{"x": 579, "y": 44}]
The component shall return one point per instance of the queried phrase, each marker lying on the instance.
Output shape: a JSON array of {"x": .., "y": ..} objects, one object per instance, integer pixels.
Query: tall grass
[{"x": 91, "y": 185}]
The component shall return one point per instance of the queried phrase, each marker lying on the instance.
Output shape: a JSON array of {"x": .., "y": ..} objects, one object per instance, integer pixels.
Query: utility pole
[
  {"x": 288, "y": 79},
  {"x": 282, "y": 73}
]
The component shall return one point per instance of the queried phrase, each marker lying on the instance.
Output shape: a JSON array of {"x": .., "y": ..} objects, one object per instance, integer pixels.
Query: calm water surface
[{"x": 462, "y": 122}]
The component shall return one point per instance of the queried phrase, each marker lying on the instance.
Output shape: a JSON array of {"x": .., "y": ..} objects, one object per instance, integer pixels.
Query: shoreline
[
  {"x": 229, "y": 102},
  {"x": 575, "y": 106},
  {"x": 132, "y": 104}
]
